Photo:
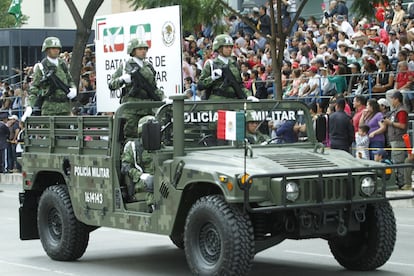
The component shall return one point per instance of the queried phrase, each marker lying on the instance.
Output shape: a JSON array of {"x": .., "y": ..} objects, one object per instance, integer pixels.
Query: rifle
[
  {"x": 139, "y": 81},
  {"x": 230, "y": 80}
]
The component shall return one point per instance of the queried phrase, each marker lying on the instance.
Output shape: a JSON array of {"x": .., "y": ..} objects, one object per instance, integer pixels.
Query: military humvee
[{"x": 220, "y": 201}]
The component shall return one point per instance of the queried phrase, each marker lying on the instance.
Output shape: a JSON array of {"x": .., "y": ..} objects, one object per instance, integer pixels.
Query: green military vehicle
[{"x": 221, "y": 201}]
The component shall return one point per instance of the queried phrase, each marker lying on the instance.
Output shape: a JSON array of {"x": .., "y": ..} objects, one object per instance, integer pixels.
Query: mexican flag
[
  {"x": 113, "y": 39},
  {"x": 141, "y": 32},
  {"x": 230, "y": 125}
]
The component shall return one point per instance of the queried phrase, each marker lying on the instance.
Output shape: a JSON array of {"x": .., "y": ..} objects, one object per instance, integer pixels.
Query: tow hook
[
  {"x": 341, "y": 230},
  {"x": 359, "y": 215},
  {"x": 306, "y": 221}
]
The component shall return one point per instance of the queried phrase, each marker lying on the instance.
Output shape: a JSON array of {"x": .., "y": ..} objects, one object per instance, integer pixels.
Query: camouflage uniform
[
  {"x": 135, "y": 162},
  {"x": 217, "y": 87},
  {"x": 55, "y": 100},
  {"x": 131, "y": 94}
]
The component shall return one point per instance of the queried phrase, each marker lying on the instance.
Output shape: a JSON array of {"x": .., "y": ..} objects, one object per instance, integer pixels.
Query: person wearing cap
[
  {"x": 384, "y": 106},
  {"x": 4, "y": 136},
  {"x": 382, "y": 156},
  {"x": 52, "y": 87},
  {"x": 341, "y": 131},
  {"x": 397, "y": 124},
  {"x": 133, "y": 91},
  {"x": 393, "y": 48},
  {"x": 217, "y": 85}
]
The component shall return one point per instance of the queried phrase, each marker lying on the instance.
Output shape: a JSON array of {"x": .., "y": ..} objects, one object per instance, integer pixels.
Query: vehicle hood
[{"x": 272, "y": 160}]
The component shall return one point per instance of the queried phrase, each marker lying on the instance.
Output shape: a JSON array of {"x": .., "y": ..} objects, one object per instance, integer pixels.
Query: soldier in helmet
[
  {"x": 137, "y": 80},
  {"x": 52, "y": 87},
  {"x": 221, "y": 78},
  {"x": 253, "y": 134},
  {"x": 138, "y": 168}
]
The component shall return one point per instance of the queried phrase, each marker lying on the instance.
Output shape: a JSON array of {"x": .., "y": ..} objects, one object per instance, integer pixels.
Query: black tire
[
  {"x": 373, "y": 245},
  {"x": 218, "y": 238},
  {"x": 178, "y": 240},
  {"x": 63, "y": 237}
]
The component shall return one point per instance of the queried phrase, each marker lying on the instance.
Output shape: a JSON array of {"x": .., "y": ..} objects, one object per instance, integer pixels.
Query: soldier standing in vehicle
[
  {"x": 137, "y": 80},
  {"x": 221, "y": 78},
  {"x": 138, "y": 168},
  {"x": 52, "y": 87}
]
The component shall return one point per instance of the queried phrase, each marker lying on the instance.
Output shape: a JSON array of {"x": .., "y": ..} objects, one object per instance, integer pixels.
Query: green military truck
[{"x": 220, "y": 201}]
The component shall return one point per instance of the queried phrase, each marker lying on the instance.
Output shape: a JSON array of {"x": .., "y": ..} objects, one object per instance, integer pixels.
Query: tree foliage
[
  {"x": 194, "y": 13},
  {"x": 8, "y": 20},
  {"x": 365, "y": 8}
]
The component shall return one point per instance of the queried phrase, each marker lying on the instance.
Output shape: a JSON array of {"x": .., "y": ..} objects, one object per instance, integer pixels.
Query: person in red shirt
[{"x": 402, "y": 83}]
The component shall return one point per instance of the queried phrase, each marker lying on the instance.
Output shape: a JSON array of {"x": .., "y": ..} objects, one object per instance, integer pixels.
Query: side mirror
[{"x": 151, "y": 135}]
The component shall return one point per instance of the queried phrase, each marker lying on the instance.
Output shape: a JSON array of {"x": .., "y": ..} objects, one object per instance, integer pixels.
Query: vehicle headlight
[
  {"x": 292, "y": 191},
  {"x": 367, "y": 186}
]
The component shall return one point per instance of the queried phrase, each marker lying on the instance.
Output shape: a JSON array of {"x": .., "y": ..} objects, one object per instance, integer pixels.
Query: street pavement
[{"x": 118, "y": 252}]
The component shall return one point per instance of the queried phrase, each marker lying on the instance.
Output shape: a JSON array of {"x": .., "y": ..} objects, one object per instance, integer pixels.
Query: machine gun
[
  {"x": 230, "y": 80},
  {"x": 139, "y": 81},
  {"x": 50, "y": 78}
]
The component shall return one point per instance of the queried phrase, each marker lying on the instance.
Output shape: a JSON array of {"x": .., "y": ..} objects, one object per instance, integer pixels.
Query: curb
[{"x": 16, "y": 179}]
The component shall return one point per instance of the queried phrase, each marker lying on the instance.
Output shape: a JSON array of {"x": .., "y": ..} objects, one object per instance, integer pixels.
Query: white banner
[{"x": 160, "y": 27}]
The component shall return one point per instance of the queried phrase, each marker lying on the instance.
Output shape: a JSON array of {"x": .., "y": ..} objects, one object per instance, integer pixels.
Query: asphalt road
[{"x": 118, "y": 252}]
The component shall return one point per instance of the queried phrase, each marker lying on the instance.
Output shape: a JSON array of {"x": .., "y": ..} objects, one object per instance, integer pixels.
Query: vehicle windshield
[{"x": 260, "y": 123}]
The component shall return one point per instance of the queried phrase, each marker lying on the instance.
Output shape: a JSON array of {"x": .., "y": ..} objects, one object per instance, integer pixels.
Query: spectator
[
  {"x": 14, "y": 129},
  {"x": 396, "y": 123},
  {"x": 263, "y": 23},
  {"x": 341, "y": 131},
  {"x": 362, "y": 142},
  {"x": 4, "y": 135},
  {"x": 382, "y": 156},
  {"x": 372, "y": 116}
]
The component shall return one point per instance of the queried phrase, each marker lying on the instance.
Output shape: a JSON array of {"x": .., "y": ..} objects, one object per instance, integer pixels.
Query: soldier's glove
[
  {"x": 252, "y": 98},
  {"x": 72, "y": 93},
  {"x": 167, "y": 101},
  {"x": 27, "y": 113},
  {"x": 125, "y": 78},
  {"x": 148, "y": 181},
  {"x": 216, "y": 74}
]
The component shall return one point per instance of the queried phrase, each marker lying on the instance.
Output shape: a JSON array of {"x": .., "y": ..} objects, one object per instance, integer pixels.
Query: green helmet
[
  {"x": 143, "y": 121},
  {"x": 51, "y": 42},
  {"x": 135, "y": 43},
  {"x": 250, "y": 116},
  {"x": 222, "y": 40}
]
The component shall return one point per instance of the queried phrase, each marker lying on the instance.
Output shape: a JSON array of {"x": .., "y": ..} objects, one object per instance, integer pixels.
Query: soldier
[
  {"x": 253, "y": 134},
  {"x": 52, "y": 87},
  {"x": 138, "y": 167},
  {"x": 138, "y": 76},
  {"x": 221, "y": 78}
]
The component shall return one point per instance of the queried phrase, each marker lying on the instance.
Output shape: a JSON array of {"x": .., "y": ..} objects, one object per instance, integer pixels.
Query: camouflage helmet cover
[
  {"x": 136, "y": 43},
  {"x": 51, "y": 42},
  {"x": 143, "y": 121},
  {"x": 222, "y": 40},
  {"x": 250, "y": 116}
]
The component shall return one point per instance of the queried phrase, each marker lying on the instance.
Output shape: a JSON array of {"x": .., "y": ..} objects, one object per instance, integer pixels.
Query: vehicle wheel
[
  {"x": 218, "y": 238},
  {"x": 373, "y": 245},
  {"x": 178, "y": 240},
  {"x": 63, "y": 237}
]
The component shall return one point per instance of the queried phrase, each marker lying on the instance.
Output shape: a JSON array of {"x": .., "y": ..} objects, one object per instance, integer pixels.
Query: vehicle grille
[
  {"x": 331, "y": 189},
  {"x": 301, "y": 161}
]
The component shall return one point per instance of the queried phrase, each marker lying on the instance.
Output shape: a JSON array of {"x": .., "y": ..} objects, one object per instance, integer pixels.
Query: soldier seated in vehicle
[
  {"x": 253, "y": 134},
  {"x": 138, "y": 168}
]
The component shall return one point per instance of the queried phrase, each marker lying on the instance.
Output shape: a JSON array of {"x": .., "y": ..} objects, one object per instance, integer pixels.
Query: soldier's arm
[
  {"x": 205, "y": 80},
  {"x": 36, "y": 88},
  {"x": 116, "y": 82}
]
